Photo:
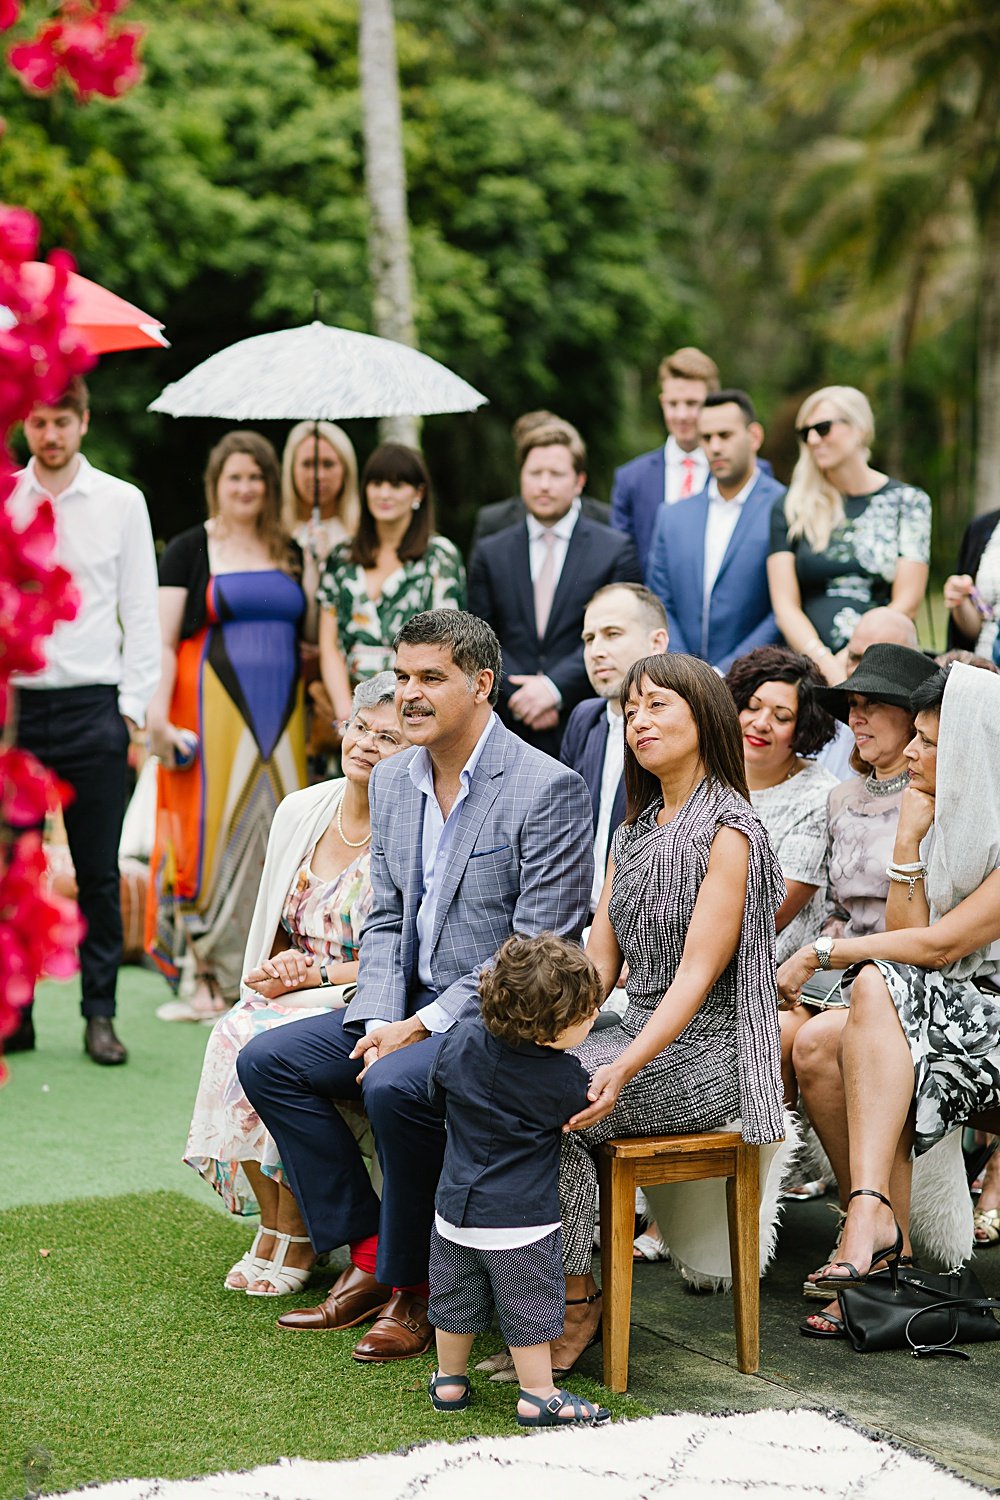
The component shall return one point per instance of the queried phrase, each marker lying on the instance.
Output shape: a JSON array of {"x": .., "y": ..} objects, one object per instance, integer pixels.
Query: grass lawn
[{"x": 123, "y": 1355}]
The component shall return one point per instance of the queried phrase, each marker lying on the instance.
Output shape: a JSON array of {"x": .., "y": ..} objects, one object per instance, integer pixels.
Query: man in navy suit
[
  {"x": 708, "y": 558},
  {"x": 644, "y": 485},
  {"x": 532, "y": 583},
  {"x": 500, "y": 514},
  {"x": 623, "y": 623}
]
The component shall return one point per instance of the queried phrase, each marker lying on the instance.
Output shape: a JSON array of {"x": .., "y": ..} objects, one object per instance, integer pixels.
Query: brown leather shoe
[
  {"x": 100, "y": 1042},
  {"x": 354, "y": 1298},
  {"x": 401, "y": 1331}
]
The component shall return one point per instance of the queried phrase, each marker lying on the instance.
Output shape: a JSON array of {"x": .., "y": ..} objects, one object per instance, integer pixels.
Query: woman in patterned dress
[
  {"x": 689, "y": 903},
  {"x": 394, "y": 567},
  {"x": 920, "y": 1052},
  {"x": 314, "y": 895},
  {"x": 846, "y": 538}
]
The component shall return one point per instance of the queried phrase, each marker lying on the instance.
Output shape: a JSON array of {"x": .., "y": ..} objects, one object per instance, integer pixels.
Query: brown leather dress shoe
[
  {"x": 100, "y": 1042},
  {"x": 401, "y": 1331},
  {"x": 354, "y": 1298}
]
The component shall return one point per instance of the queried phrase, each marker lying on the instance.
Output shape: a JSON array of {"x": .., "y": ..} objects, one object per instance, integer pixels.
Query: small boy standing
[{"x": 507, "y": 1088}]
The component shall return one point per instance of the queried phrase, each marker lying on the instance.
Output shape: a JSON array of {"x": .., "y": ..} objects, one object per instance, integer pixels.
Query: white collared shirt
[
  {"x": 674, "y": 470},
  {"x": 437, "y": 838},
  {"x": 723, "y": 516},
  {"x": 611, "y": 775},
  {"x": 104, "y": 538}
]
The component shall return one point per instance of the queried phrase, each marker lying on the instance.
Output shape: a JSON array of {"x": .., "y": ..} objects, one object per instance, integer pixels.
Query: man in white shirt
[
  {"x": 623, "y": 623},
  {"x": 708, "y": 557},
  {"x": 78, "y": 713},
  {"x": 679, "y": 468}
]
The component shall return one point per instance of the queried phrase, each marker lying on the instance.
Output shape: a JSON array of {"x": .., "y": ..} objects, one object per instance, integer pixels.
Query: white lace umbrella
[{"x": 317, "y": 373}]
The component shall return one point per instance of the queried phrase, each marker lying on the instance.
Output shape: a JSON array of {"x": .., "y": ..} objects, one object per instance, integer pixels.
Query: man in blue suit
[
  {"x": 679, "y": 468},
  {"x": 475, "y": 835},
  {"x": 623, "y": 623},
  {"x": 708, "y": 559}
]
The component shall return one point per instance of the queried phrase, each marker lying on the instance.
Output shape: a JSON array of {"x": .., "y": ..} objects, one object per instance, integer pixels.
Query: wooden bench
[{"x": 623, "y": 1166}]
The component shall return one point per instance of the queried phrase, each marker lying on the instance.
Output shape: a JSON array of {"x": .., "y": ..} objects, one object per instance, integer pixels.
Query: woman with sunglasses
[{"x": 847, "y": 537}]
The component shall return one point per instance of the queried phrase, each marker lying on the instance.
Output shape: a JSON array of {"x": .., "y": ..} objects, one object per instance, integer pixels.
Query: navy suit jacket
[
  {"x": 739, "y": 615},
  {"x": 583, "y": 747},
  {"x": 500, "y": 592},
  {"x": 500, "y": 514},
  {"x": 637, "y": 498}
]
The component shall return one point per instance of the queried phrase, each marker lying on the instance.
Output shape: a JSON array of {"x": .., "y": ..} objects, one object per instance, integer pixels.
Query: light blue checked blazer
[{"x": 521, "y": 861}]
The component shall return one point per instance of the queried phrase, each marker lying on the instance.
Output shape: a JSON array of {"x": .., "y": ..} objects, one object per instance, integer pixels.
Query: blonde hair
[
  {"x": 348, "y": 504},
  {"x": 814, "y": 507}
]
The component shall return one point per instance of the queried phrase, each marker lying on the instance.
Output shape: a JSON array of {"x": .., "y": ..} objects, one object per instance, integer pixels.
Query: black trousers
[{"x": 79, "y": 733}]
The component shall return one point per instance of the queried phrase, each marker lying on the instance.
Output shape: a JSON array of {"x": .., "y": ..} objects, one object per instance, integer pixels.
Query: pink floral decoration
[{"x": 84, "y": 48}]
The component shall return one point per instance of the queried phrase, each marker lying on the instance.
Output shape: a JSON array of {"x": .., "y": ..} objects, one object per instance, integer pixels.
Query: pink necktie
[
  {"x": 545, "y": 584},
  {"x": 687, "y": 483}
]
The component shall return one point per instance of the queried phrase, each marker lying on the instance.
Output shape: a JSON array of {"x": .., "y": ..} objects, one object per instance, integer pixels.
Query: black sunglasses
[{"x": 821, "y": 429}]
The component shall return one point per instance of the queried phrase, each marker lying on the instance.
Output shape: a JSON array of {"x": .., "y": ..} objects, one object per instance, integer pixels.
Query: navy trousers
[
  {"x": 79, "y": 733},
  {"x": 291, "y": 1076}
]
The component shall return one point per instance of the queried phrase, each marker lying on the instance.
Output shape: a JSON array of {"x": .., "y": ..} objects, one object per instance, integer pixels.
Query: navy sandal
[
  {"x": 585, "y": 1413},
  {"x": 438, "y": 1402}
]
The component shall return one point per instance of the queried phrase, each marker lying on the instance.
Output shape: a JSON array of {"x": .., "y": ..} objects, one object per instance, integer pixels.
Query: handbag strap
[{"x": 956, "y": 1305}]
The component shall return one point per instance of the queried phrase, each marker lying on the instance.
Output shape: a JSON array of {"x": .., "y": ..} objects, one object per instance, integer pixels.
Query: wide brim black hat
[{"x": 886, "y": 673}]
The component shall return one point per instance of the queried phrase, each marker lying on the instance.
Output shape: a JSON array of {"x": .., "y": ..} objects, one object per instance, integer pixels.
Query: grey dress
[{"x": 724, "y": 1064}]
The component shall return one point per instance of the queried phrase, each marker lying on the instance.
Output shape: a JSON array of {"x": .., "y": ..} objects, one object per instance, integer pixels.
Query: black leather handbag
[{"x": 929, "y": 1313}]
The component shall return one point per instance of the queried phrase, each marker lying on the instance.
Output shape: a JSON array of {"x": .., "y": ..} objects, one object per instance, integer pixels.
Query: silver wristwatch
[{"x": 822, "y": 948}]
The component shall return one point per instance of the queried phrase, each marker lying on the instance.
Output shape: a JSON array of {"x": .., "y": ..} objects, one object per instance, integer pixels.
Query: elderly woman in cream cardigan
[{"x": 301, "y": 960}]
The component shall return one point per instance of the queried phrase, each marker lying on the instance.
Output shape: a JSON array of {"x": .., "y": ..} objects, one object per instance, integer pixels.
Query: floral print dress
[
  {"x": 366, "y": 627},
  {"x": 321, "y": 917}
]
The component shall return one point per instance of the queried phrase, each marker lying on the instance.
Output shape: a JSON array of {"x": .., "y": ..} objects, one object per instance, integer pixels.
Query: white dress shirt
[
  {"x": 437, "y": 837},
  {"x": 723, "y": 516},
  {"x": 675, "y": 469},
  {"x": 104, "y": 538},
  {"x": 611, "y": 775},
  {"x": 562, "y": 530}
]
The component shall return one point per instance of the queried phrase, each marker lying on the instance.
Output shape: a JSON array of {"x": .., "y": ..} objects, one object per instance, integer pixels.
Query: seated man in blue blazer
[
  {"x": 708, "y": 560},
  {"x": 532, "y": 583},
  {"x": 623, "y": 623}
]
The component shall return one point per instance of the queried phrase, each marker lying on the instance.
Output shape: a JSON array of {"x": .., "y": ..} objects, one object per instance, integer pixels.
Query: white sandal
[
  {"x": 250, "y": 1266},
  {"x": 284, "y": 1280}
]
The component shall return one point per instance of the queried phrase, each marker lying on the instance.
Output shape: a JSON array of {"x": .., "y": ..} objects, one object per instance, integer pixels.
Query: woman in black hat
[{"x": 920, "y": 1051}]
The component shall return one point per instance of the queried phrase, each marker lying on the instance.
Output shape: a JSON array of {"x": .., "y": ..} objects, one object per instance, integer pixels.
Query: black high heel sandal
[
  {"x": 891, "y": 1254},
  {"x": 594, "y": 1338}
]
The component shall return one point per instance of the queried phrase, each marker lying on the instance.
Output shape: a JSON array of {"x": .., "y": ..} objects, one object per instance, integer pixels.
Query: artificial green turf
[{"x": 123, "y": 1357}]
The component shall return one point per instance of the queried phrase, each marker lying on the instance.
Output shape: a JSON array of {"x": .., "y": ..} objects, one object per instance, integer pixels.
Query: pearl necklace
[{"x": 351, "y": 843}]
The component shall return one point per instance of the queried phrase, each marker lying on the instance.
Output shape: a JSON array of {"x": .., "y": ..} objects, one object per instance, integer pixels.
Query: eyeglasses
[
  {"x": 821, "y": 429},
  {"x": 385, "y": 743}
]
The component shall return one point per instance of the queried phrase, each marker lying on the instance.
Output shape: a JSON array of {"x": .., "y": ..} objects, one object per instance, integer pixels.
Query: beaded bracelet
[{"x": 907, "y": 877}]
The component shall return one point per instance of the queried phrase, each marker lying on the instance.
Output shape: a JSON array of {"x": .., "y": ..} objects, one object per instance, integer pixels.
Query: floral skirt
[{"x": 953, "y": 1032}]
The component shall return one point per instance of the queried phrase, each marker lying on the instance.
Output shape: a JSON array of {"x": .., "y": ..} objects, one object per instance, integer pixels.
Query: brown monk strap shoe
[
  {"x": 354, "y": 1298},
  {"x": 100, "y": 1042},
  {"x": 401, "y": 1331}
]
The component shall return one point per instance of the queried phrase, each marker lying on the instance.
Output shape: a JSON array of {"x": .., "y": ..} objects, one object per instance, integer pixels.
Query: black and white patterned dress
[{"x": 724, "y": 1064}]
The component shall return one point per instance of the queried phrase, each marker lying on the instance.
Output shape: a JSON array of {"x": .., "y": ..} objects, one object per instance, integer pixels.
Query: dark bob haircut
[
  {"x": 720, "y": 742},
  {"x": 473, "y": 644},
  {"x": 394, "y": 463},
  {"x": 814, "y": 727}
]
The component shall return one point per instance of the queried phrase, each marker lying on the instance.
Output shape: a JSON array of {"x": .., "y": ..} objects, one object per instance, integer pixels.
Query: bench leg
[
  {"x": 617, "y": 1202},
  {"x": 743, "y": 1208}
]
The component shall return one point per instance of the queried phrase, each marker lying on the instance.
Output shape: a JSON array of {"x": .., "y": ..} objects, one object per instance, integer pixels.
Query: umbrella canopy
[
  {"x": 104, "y": 321},
  {"x": 317, "y": 372}
]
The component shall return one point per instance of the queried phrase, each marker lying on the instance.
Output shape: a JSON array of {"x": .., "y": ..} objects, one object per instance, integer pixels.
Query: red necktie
[{"x": 687, "y": 483}]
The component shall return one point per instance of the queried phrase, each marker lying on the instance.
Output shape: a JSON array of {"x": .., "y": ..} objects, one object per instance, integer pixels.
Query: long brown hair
[
  {"x": 394, "y": 463},
  {"x": 269, "y": 524},
  {"x": 720, "y": 743}
]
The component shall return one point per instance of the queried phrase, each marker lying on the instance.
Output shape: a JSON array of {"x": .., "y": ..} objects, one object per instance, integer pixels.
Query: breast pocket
[{"x": 491, "y": 876}]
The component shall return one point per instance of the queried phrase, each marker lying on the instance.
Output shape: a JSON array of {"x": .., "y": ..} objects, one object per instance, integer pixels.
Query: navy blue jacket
[
  {"x": 583, "y": 747},
  {"x": 505, "y": 1107}
]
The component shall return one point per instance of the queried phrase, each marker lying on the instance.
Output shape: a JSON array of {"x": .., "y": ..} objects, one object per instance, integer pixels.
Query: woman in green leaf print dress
[{"x": 394, "y": 567}]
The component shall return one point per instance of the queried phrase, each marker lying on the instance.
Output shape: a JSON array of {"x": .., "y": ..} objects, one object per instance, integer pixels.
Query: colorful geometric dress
[{"x": 238, "y": 688}]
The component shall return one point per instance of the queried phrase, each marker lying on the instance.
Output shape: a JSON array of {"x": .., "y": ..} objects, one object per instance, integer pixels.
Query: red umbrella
[{"x": 104, "y": 321}]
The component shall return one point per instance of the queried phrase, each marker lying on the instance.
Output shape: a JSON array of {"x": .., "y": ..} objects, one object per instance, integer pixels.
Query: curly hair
[
  {"x": 814, "y": 727},
  {"x": 537, "y": 987}
]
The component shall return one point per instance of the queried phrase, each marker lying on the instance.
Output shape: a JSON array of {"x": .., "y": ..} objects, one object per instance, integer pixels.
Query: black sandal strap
[
  {"x": 870, "y": 1193},
  {"x": 579, "y": 1301}
]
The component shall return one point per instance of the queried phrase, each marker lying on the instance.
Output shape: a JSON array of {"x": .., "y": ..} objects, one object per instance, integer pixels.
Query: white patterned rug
[{"x": 778, "y": 1455}]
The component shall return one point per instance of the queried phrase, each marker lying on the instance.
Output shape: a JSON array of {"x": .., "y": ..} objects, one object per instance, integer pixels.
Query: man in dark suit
[
  {"x": 708, "y": 558},
  {"x": 623, "y": 623},
  {"x": 503, "y": 513},
  {"x": 644, "y": 485},
  {"x": 532, "y": 583}
]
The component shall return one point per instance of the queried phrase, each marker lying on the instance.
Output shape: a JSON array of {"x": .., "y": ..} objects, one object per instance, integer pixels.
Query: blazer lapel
[
  {"x": 520, "y": 579},
  {"x": 567, "y": 589},
  {"x": 408, "y": 815},
  {"x": 487, "y": 780},
  {"x": 742, "y": 527}
]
